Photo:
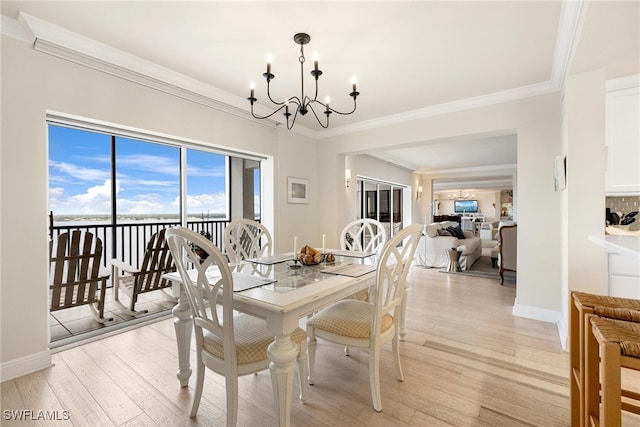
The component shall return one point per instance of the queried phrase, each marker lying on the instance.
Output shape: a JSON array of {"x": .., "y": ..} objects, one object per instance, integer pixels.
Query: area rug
[{"x": 483, "y": 268}]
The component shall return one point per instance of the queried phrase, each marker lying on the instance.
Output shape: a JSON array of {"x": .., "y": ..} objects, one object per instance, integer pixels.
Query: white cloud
[
  {"x": 150, "y": 163},
  {"x": 80, "y": 172},
  {"x": 142, "y": 206},
  {"x": 212, "y": 203}
]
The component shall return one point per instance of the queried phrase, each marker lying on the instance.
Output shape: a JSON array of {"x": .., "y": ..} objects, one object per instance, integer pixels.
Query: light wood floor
[{"x": 467, "y": 362}]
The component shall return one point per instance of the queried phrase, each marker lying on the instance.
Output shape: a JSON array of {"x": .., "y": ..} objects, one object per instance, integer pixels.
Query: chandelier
[{"x": 304, "y": 103}]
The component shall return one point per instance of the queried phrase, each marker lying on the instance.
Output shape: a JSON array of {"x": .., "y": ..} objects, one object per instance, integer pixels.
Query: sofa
[{"x": 432, "y": 249}]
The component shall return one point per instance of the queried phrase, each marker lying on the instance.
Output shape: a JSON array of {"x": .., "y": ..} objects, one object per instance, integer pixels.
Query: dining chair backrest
[
  {"x": 210, "y": 287},
  {"x": 364, "y": 235},
  {"x": 75, "y": 275},
  {"x": 393, "y": 266},
  {"x": 245, "y": 238}
]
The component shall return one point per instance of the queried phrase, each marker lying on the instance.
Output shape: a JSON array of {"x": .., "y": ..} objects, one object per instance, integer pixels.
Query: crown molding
[
  {"x": 486, "y": 185},
  {"x": 446, "y": 108},
  {"x": 392, "y": 160},
  {"x": 65, "y": 44},
  {"x": 622, "y": 83},
  {"x": 572, "y": 16},
  {"x": 512, "y": 167},
  {"x": 12, "y": 28}
]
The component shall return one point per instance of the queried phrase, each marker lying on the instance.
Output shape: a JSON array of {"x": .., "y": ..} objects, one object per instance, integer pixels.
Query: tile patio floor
[{"x": 77, "y": 323}]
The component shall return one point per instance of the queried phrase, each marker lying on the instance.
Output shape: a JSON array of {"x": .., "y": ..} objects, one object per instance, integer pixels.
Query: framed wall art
[{"x": 297, "y": 190}]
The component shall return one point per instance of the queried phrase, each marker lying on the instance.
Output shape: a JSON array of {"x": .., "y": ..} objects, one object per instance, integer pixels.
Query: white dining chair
[
  {"x": 364, "y": 235},
  {"x": 370, "y": 325},
  {"x": 229, "y": 343},
  {"x": 245, "y": 238}
]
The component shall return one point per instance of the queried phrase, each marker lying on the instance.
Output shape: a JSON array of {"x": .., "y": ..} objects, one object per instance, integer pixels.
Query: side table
[{"x": 454, "y": 260}]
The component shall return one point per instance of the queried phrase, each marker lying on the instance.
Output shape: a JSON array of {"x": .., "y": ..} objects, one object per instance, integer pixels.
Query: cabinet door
[
  {"x": 624, "y": 276},
  {"x": 623, "y": 141}
]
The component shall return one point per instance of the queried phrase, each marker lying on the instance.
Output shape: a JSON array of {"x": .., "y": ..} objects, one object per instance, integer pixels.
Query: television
[{"x": 465, "y": 206}]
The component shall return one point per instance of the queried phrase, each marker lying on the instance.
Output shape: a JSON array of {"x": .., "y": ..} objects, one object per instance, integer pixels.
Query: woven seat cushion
[
  {"x": 252, "y": 340},
  {"x": 350, "y": 318},
  {"x": 625, "y": 334},
  {"x": 592, "y": 300}
]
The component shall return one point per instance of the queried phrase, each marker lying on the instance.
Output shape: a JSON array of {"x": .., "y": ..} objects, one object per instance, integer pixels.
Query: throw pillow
[
  {"x": 443, "y": 232},
  {"x": 456, "y": 231}
]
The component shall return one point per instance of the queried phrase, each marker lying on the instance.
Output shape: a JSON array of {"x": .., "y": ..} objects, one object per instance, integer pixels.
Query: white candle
[
  {"x": 324, "y": 240},
  {"x": 295, "y": 246}
]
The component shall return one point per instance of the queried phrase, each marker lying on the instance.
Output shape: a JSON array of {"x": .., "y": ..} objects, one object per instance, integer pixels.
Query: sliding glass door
[{"x": 381, "y": 201}]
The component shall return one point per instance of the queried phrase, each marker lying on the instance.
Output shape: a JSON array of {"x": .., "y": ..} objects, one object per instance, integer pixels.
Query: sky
[{"x": 147, "y": 176}]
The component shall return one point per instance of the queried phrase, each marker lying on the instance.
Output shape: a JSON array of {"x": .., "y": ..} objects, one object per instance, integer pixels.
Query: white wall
[
  {"x": 585, "y": 150},
  {"x": 296, "y": 157},
  {"x": 536, "y": 121},
  {"x": 34, "y": 83},
  {"x": 338, "y": 203}
]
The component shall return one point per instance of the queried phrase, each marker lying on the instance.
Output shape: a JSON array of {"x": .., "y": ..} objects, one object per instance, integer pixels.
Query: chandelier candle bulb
[
  {"x": 324, "y": 240},
  {"x": 315, "y": 61},
  {"x": 353, "y": 83},
  {"x": 295, "y": 247},
  {"x": 269, "y": 61}
]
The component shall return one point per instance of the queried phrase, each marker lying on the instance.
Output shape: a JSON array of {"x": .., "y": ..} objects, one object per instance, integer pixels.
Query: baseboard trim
[
  {"x": 25, "y": 365},
  {"x": 543, "y": 315}
]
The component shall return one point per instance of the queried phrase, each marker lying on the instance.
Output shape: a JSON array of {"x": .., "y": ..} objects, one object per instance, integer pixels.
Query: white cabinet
[
  {"x": 623, "y": 276},
  {"x": 623, "y": 136}
]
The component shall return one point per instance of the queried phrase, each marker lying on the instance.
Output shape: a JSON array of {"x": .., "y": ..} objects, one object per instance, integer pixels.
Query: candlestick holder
[{"x": 296, "y": 264}]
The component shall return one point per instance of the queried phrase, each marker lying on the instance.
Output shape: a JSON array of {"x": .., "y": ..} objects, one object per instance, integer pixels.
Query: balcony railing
[{"x": 127, "y": 241}]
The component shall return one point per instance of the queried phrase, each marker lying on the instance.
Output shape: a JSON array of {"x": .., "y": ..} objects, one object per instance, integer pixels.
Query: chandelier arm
[
  {"x": 292, "y": 121},
  {"x": 269, "y": 95},
  {"x": 333, "y": 110},
  {"x": 265, "y": 117},
  {"x": 341, "y": 113},
  {"x": 318, "y": 118},
  {"x": 295, "y": 100}
]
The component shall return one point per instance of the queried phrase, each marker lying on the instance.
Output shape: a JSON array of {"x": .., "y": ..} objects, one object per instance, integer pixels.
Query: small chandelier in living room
[{"x": 304, "y": 103}]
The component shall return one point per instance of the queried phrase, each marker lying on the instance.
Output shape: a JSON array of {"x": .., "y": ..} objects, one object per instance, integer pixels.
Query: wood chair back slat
[
  {"x": 75, "y": 274},
  {"x": 157, "y": 261}
]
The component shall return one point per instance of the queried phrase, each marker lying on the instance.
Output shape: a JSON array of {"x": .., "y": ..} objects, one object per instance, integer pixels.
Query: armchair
[{"x": 508, "y": 256}]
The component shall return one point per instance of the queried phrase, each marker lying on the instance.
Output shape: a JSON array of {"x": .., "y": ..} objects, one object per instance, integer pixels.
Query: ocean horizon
[{"x": 86, "y": 219}]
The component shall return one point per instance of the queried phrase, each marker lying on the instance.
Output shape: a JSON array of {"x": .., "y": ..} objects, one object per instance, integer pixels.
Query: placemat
[{"x": 351, "y": 270}]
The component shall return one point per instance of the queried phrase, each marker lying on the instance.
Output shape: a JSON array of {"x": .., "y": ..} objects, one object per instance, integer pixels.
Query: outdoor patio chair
[
  {"x": 76, "y": 277},
  {"x": 134, "y": 282}
]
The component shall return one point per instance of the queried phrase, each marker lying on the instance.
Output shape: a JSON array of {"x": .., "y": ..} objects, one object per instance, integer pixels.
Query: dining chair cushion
[
  {"x": 251, "y": 337},
  {"x": 350, "y": 318}
]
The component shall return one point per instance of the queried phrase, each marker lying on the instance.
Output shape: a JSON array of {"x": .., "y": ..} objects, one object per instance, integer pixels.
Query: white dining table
[{"x": 295, "y": 293}]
